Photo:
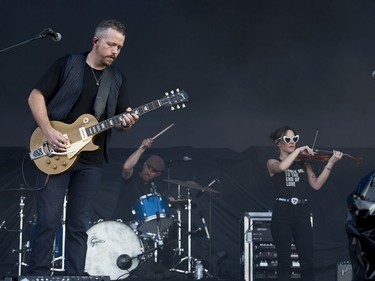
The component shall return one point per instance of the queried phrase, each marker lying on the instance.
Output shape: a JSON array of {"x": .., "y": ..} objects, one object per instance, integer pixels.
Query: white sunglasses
[{"x": 289, "y": 139}]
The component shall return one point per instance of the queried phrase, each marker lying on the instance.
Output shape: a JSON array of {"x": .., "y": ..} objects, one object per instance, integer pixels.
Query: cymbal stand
[
  {"x": 189, "y": 232},
  {"x": 188, "y": 257},
  {"x": 63, "y": 230},
  {"x": 179, "y": 226},
  {"x": 20, "y": 250}
]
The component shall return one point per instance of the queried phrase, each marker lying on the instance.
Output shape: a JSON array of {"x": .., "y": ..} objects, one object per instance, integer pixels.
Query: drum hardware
[
  {"x": 55, "y": 244},
  {"x": 179, "y": 249},
  {"x": 192, "y": 185},
  {"x": 153, "y": 250},
  {"x": 210, "y": 269},
  {"x": 187, "y": 258},
  {"x": 21, "y": 192},
  {"x": 178, "y": 204}
]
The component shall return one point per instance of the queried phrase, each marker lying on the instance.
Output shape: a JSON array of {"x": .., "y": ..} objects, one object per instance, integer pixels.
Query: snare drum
[
  {"x": 152, "y": 211},
  {"x": 112, "y": 249}
]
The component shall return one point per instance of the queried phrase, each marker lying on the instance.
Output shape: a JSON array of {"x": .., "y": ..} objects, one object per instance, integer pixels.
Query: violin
[{"x": 325, "y": 155}]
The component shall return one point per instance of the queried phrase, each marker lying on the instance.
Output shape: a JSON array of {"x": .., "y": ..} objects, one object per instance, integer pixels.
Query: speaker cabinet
[{"x": 260, "y": 258}]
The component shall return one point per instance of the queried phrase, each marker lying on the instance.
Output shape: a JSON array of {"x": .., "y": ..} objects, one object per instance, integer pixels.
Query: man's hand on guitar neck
[{"x": 129, "y": 118}]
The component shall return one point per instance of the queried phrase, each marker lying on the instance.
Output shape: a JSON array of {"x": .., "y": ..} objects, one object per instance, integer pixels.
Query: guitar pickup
[{"x": 83, "y": 133}]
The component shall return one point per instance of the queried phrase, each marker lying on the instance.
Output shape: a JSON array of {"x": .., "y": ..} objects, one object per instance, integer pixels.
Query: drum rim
[{"x": 145, "y": 196}]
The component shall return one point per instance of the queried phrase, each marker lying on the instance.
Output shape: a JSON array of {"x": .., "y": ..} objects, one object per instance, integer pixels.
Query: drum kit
[{"x": 116, "y": 248}]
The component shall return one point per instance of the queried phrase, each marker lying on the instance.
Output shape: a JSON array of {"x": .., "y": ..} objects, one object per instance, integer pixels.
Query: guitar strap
[{"x": 102, "y": 95}]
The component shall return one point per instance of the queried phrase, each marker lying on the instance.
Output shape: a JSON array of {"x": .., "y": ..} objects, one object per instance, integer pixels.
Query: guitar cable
[{"x": 24, "y": 176}]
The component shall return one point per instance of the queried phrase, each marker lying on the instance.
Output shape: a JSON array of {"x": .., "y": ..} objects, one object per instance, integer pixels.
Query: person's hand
[
  {"x": 57, "y": 140},
  {"x": 147, "y": 143},
  {"x": 129, "y": 118},
  {"x": 306, "y": 150},
  {"x": 336, "y": 156}
]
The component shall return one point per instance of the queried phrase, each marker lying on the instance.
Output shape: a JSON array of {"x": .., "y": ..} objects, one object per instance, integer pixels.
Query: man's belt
[{"x": 293, "y": 200}]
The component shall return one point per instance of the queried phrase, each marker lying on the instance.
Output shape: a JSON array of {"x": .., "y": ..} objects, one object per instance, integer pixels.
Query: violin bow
[
  {"x": 358, "y": 160},
  {"x": 315, "y": 138}
]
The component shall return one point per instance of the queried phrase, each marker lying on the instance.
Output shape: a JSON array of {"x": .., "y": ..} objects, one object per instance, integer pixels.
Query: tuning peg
[
  {"x": 172, "y": 107},
  {"x": 166, "y": 93},
  {"x": 172, "y": 92},
  {"x": 177, "y": 90},
  {"x": 178, "y": 106},
  {"x": 183, "y": 105}
]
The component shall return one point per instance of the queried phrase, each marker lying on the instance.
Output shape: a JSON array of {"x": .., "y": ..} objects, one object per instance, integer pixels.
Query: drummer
[{"x": 137, "y": 184}]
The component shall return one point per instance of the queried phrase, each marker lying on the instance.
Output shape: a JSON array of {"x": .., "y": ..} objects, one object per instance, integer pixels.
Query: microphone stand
[{"x": 43, "y": 34}]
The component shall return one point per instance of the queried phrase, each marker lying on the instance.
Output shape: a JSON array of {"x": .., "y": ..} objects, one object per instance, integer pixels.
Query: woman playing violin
[{"x": 291, "y": 213}]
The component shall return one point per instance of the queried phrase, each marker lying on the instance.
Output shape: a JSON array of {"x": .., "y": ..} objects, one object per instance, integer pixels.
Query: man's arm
[
  {"x": 128, "y": 167},
  {"x": 38, "y": 108}
]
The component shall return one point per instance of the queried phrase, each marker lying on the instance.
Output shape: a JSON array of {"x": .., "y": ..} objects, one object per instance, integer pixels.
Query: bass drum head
[{"x": 112, "y": 249}]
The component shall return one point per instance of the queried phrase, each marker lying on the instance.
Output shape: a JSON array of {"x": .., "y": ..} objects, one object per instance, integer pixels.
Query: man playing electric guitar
[{"x": 74, "y": 85}]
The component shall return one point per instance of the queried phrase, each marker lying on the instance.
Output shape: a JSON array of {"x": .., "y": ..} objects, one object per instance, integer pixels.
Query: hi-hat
[{"x": 192, "y": 184}]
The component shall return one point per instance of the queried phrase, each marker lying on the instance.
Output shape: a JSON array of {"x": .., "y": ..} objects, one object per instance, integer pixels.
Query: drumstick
[{"x": 154, "y": 137}]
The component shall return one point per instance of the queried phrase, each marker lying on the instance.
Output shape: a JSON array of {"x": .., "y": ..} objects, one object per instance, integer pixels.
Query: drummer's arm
[{"x": 128, "y": 167}]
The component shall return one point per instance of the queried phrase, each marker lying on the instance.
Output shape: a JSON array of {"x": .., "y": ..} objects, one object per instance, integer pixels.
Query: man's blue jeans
[{"x": 79, "y": 185}]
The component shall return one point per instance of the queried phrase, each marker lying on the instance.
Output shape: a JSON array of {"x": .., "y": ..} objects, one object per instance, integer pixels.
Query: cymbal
[{"x": 192, "y": 184}]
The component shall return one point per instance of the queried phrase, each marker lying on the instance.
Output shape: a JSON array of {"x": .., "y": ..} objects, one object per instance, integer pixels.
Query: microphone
[
  {"x": 124, "y": 262},
  {"x": 55, "y": 35},
  {"x": 204, "y": 224}
]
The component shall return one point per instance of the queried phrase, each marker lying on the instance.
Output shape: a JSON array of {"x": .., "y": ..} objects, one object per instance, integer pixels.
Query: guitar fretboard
[{"x": 116, "y": 120}]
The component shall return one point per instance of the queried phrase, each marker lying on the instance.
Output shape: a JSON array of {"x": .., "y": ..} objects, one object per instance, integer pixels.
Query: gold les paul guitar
[{"x": 81, "y": 134}]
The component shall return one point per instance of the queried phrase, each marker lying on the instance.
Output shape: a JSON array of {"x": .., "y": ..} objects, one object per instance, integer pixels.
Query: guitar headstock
[{"x": 175, "y": 99}]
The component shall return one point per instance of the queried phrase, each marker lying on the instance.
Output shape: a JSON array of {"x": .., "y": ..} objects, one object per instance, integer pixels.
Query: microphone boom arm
[{"x": 41, "y": 35}]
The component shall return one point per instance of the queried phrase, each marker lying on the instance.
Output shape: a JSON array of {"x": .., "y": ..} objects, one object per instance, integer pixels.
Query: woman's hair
[{"x": 278, "y": 133}]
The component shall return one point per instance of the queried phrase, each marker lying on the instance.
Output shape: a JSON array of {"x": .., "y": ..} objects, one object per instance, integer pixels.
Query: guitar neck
[{"x": 116, "y": 120}]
